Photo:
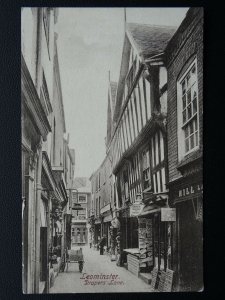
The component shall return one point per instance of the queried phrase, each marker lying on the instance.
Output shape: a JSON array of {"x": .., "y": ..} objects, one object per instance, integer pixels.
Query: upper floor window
[
  {"x": 46, "y": 21},
  {"x": 146, "y": 169},
  {"x": 125, "y": 187},
  {"x": 82, "y": 199},
  {"x": 188, "y": 111},
  {"x": 74, "y": 197}
]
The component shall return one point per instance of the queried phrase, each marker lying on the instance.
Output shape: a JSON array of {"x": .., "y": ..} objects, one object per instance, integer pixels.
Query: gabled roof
[{"x": 150, "y": 40}]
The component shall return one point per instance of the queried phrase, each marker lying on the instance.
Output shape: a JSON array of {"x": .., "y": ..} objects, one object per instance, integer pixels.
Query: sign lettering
[
  {"x": 168, "y": 214},
  {"x": 192, "y": 189}
]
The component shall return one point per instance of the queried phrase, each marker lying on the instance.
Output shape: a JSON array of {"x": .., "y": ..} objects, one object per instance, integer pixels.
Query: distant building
[
  {"x": 103, "y": 203},
  {"x": 81, "y": 201}
]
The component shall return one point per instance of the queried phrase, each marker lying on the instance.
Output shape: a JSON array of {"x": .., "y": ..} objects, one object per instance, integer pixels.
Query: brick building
[{"x": 184, "y": 61}]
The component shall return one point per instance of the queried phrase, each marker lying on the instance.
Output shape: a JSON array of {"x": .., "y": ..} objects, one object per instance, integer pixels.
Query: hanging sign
[
  {"x": 168, "y": 214},
  {"x": 136, "y": 209},
  {"x": 115, "y": 223}
]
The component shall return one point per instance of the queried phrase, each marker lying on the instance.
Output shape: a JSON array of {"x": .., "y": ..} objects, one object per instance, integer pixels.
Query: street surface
[{"x": 99, "y": 275}]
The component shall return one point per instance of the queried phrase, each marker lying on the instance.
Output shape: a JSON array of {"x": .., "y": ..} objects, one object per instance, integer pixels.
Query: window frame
[
  {"x": 181, "y": 126},
  {"x": 144, "y": 151},
  {"x": 82, "y": 196}
]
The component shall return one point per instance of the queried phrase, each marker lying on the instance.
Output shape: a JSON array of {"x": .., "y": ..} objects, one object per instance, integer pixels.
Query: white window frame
[
  {"x": 82, "y": 196},
  {"x": 180, "y": 125}
]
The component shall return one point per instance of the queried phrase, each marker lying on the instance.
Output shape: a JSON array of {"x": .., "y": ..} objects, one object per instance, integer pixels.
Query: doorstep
[{"x": 146, "y": 277}]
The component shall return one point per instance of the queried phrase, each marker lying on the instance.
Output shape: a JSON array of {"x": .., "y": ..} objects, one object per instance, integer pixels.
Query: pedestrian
[{"x": 102, "y": 243}]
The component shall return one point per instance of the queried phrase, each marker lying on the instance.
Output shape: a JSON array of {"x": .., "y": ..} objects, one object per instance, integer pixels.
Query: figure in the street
[{"x": 102, "y": 243}]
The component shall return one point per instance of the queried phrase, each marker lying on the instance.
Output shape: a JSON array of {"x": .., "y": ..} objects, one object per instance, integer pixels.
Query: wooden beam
[{"x": 139, "y": 93}]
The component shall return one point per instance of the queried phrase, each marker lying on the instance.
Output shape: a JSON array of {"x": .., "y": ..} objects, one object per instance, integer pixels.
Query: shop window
[
  {"x": 187, "y": 106},
  {"x": 43, "y": 254},
  {"x": 146, "y": 169},
  {"x": 82, "y": 214},
  {"x": 160, "y": 238}
]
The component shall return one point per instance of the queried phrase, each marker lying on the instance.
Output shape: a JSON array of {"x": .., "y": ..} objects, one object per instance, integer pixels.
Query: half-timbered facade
[{"x": 138, "y": 141}]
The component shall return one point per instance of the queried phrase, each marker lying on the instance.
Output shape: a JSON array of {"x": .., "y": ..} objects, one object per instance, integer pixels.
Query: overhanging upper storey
[{"x": 141, "y": 96}]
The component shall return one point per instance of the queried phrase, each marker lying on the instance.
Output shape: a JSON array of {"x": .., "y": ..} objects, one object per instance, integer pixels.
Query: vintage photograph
[{"x": 112, "y": 149}]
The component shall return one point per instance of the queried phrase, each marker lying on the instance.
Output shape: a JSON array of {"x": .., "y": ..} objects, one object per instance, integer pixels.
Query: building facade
[
  {"x": 44, "y": 194},
  {"x": 184, "y": 56},
  {"x": 103, "y": 202},
  {"x": 139, "y": 146},
  {"x": 81, "y": 201}
]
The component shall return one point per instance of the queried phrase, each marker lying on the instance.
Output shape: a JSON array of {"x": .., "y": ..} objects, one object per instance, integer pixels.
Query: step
[{"x": 146, "y": 277}]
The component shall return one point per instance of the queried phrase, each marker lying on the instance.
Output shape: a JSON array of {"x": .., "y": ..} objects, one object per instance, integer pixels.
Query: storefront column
[
  {"x": 30, "y": 230},
  {"x": 37, "y": 218}
]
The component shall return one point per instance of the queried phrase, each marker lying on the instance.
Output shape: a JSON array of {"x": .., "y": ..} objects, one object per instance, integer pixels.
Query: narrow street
[
  {"x": 96, "y": 264},
  {"x": 112, "y": 148}
]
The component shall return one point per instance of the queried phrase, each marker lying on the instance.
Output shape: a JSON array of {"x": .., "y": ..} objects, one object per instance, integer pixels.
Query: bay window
[{"x": 187, "y": 111}]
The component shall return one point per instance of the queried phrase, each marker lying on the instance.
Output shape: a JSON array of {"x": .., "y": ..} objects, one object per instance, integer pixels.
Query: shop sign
[
  {"x": 190, "y": 190},
  {"x": 168, "y": 214},
  {"x": 115, "y": 223},
  {"x": 136, "y": 209}
]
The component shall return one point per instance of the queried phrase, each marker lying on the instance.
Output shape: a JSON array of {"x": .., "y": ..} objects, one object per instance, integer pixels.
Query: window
[
  {"x": 146, "y": 169},
  {"x": 188, "y": 111},
  {"x": 82, "y": 214},
  {"x": 82, "y": 199},
  {"x": 124, "y": 185},
  {"x": 74, "y": 197}
]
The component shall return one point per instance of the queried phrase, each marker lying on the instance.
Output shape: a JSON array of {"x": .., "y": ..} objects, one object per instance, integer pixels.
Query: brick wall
[{"x": 186, "y": 44}]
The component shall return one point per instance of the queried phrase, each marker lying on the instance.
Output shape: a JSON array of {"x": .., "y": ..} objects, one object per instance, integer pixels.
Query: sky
[{"x": 90, "y": 42}]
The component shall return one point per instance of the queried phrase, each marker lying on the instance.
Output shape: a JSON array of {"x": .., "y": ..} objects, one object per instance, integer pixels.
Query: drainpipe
[{"x": 37, "y": 218}]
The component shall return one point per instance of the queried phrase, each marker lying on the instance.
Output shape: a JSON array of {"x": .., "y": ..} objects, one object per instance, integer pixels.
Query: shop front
[
  {"x": 97, "y": 233},
  {"x": 187, "y": 195},
  {"x": 79, "y": 233},
  {"x": 106, "y": 229},
  {"x": 151, "y": 259}
]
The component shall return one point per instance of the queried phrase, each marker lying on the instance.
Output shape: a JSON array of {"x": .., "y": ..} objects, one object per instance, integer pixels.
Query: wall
[{"x": 190, "y": 43}]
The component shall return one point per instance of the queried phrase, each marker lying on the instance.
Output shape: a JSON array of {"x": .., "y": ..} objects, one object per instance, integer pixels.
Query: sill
[{"x": 192, "y": 156}]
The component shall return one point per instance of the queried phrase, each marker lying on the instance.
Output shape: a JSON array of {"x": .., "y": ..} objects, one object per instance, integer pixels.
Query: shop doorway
[{"x": 190, "y": 248}]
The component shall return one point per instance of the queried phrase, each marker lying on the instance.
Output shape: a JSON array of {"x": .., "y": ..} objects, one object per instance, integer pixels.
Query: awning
[
  {"x": 150, "y": 209},
  {"x": 107, "y": 218}
]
